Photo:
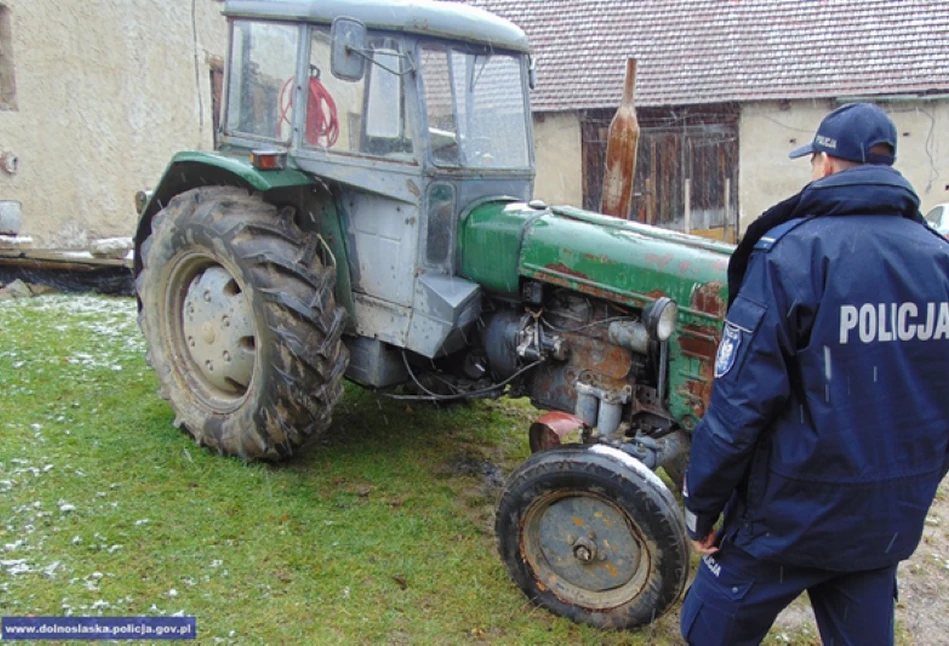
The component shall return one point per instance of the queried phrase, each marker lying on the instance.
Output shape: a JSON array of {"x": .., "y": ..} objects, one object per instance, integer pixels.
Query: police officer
[{"x": 827, "y": 432}]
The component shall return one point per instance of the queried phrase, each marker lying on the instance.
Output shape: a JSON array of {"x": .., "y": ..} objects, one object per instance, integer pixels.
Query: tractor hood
[{"x": 503, "y": 242}]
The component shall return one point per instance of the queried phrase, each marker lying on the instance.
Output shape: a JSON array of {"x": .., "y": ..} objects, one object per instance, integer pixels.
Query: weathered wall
[
  {"x": 106, "y": 92},
  {"x": 769, "y": 132},
  {"x": 559, "y": 160}
]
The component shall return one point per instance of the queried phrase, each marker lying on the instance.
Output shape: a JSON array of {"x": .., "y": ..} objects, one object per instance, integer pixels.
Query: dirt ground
[{"x": 922, "y": 613}]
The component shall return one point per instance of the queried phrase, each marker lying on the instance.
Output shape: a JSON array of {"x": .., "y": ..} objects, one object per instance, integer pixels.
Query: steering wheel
[{"x": 321, "y": 118}]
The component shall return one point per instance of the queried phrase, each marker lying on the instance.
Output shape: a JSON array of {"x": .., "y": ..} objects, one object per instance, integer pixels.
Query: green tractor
[{"x": 368, "y": 216}]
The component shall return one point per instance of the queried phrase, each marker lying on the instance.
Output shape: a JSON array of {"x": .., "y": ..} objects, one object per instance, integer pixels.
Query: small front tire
[{"x": 591, "y": 534}]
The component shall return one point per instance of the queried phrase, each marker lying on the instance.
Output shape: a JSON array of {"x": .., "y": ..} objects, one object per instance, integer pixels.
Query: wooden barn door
[{"x": 686, "y": 174}]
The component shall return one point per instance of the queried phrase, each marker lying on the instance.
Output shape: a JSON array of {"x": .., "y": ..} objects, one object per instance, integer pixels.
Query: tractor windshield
[{"x": 477, "y": 112}]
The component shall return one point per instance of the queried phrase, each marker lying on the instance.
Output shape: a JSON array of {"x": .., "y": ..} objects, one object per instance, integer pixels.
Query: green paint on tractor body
[{"x": 504, "y": 243}]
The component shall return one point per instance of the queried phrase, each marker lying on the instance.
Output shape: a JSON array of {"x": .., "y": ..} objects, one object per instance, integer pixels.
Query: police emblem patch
[{"x": 727, "y": 350}]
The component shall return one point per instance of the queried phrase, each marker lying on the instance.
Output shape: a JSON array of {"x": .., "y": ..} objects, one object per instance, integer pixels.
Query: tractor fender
[{"x": 192, "y": 169}]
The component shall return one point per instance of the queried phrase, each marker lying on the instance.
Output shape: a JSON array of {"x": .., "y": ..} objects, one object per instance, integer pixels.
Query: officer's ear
[{"x": 822, "y": 165}]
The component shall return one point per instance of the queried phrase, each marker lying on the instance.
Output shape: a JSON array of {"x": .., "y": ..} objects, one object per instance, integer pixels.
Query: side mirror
[{"x": 347, "y": 60}]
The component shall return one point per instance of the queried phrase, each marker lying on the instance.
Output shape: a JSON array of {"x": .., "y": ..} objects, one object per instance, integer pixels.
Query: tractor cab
[
  {"x": 410, "y": 112},
  {"x": 418, "y": 89}
]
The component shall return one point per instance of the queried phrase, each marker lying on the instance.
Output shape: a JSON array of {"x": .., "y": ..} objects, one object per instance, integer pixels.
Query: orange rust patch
[
  {"x": 707, "y": 298},
  {"x": 561, "y": 268},
  {"x": 578, "y": 521},
  {"x": 606, "y": 260},
  {"x": 661, "y": 261},
  {"x": 599, "y": 357},
  {"x": 699, "y": 342},
  {"x": 630, "y": 298},
  {"x": 612, "y": 569}
]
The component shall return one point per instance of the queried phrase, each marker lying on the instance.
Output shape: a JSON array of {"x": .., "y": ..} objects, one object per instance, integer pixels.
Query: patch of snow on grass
[{"x": 16, "y": 566}]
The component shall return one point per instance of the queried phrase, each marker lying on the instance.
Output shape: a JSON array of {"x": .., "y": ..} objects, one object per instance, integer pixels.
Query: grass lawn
[{"x": 382, "y": 533}]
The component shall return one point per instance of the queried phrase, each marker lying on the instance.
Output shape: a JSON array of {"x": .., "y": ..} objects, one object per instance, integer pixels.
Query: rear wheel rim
[{"x": 210, "y": 324}]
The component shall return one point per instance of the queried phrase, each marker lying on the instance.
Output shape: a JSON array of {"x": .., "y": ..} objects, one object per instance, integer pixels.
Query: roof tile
[{"x": 712, "y": 51}]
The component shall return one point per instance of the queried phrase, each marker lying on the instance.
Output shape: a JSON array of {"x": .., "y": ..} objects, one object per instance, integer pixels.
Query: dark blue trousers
[{"x": 735, "y": 598}]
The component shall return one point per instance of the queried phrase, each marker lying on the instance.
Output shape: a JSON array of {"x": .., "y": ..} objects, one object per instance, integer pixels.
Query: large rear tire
[
  {"x": 591, "y": 534},
  {"x": 241, "y": 322}
]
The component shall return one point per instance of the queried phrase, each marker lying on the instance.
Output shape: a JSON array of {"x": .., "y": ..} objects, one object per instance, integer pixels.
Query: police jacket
[{"x": 827, "y": 431}]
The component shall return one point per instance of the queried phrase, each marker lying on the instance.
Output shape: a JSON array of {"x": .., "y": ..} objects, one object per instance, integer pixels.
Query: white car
[{"x": 938, "y": 218}]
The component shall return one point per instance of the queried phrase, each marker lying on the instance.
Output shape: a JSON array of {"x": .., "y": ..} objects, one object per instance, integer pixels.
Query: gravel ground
[{"x": 922, "y": 612}]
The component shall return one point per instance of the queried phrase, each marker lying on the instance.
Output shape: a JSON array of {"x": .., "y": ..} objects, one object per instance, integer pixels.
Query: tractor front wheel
[
  {"x": 241, "y": 322},
  {"x": 591, "y": 534}
]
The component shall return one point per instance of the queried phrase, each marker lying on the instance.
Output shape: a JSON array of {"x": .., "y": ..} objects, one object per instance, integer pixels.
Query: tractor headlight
[{"x": 660, "y": 318}]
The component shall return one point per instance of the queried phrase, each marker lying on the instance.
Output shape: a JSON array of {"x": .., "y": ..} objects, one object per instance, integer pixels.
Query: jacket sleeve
[{"x": 751, "y": 386}]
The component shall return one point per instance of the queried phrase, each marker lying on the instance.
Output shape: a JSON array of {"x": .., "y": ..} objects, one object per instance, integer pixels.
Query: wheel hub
[
  {"x": 217, "y": 324},
  {"x": 584, "y": 550}
]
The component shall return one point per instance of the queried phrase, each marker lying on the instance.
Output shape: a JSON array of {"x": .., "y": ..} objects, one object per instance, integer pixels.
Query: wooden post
[
  {"x": 688, "y": 205},
  {"x": 650, "y": 200},
  {"x": 728, "y": 197}
]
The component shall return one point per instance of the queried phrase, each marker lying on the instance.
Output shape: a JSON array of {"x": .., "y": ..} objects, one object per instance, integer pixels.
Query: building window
[{"x": 7, "y": 80}]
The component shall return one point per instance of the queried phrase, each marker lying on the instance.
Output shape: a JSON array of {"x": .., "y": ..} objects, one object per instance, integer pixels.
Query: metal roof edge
[{"x": 427, "y": 17}]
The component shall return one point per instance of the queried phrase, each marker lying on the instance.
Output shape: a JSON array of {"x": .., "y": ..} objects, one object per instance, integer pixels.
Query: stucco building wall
[
  {"x": 106, "y": 93},
  {"x": 559, "y": 159},
  {"x": 108, "y": 90},
  {"x": 769, "y": 131}
]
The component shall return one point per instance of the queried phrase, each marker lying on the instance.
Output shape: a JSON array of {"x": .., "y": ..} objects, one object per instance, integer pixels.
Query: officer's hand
[{"x": 707, "y": 544}]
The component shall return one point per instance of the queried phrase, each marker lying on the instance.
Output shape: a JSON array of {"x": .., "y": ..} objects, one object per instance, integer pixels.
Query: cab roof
[{"x": 451, "y": 20}]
